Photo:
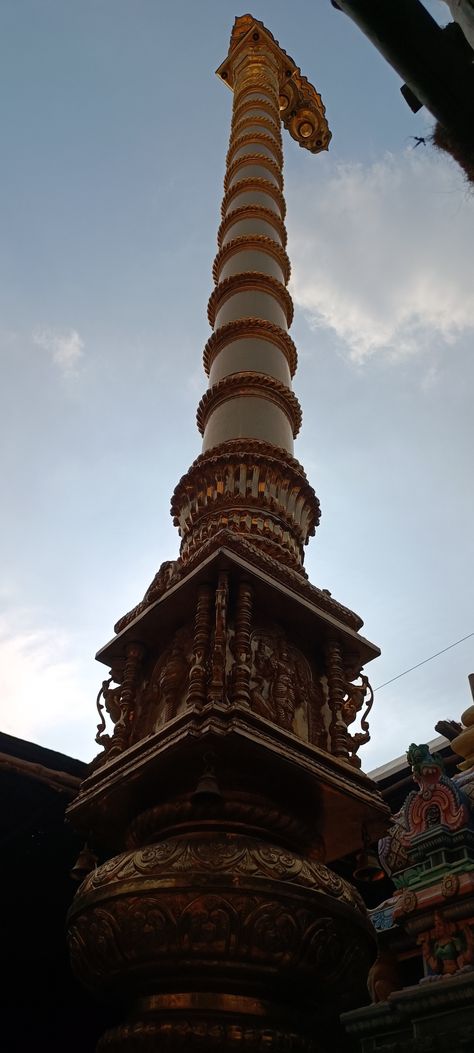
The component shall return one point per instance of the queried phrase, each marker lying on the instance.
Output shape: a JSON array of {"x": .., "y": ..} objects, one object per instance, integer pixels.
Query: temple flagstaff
[{"x": 230, "y": 724}]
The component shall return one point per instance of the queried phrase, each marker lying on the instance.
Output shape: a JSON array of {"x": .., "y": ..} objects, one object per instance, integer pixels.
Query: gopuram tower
[{"x": 229, "y": 775}]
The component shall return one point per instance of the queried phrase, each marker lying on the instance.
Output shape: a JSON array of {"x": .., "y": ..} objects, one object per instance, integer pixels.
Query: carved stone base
[
  {"x": 220, "y": 928},
  {"x": 208, "y": 1022}
]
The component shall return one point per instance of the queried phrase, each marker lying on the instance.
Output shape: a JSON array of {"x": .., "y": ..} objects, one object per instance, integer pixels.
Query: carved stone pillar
[
  {"x": 241, "y": 644},
  {"x": 121, "y": 737},
  {"x": 202, "y": 631},
  {"x": 337, "y": 690},
  {"x": 217, "y": 687}
]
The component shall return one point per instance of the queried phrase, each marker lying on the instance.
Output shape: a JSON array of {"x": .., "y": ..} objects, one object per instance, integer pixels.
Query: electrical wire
[{"x": 425, "y": 660}]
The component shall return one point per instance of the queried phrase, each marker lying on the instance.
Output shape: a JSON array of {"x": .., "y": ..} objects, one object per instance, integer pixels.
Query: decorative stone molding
[
  {"x": 257, "y": 103},
  {"x": 257, "y": 328},
  {"x": 294, "y": 577},
  {"x": 250, "y": 281},
  {"x": 259, "y": 161},
  {"x": 250, "y": 139},
  {"x": 249, "y": 384},
  {"x": 254, "y": 183},
  {"x": 256, "y": 243},
  {"x": 234, "y": 812},
  {"x": 246, "y": 483},
  {"x": 256, "y": 120},
  {"x": 252, "y": 212}
]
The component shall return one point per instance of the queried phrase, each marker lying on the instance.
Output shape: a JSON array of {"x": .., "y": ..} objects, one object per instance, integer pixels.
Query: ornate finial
[{"x": 301, "y": 107}]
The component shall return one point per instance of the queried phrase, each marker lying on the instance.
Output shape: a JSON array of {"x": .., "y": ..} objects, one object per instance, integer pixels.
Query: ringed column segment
[
  {"x": 246, "y": 481},
  {"x": 250, "y": 358}
]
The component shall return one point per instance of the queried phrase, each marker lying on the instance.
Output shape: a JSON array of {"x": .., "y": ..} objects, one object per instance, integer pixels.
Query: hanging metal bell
[
  {"x": 85, "y": 862},
  {"x": 368, "y": 867},
  {"x": 207, "y": 790}
]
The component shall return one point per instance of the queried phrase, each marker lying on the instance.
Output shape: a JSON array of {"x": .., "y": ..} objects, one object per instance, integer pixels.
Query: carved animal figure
[
  {"x": 111, "y": 704},
  {"x": 384, "y": 976}
]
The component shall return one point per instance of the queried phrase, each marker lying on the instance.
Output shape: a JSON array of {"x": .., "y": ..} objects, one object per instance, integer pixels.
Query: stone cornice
[
  {"x": 250, "y": 384},
  {"x": 256, "y": 242},
  {"x": 243, "y": 328},
  {"x": 249, "y": 281},
  {"x": 295, "y": 579}
]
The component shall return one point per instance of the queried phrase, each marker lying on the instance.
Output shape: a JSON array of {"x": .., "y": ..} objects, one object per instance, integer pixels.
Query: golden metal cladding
[
  {"x": 257, "y": 103},
  {"x": 250, "y": 384},
  {"x": 250, "y": 119},
  {"x": 244, "y": 212},
  {"x": 258, "y": 328},
  {"x": 255, "y": 160},
  {"x": 301, "y": 108},
  {"x": 258, "y": 184},
  {"x": 254, "y": 243},
  {"x": 250, "y": 281},
  {"x": 252, "y": 138}
]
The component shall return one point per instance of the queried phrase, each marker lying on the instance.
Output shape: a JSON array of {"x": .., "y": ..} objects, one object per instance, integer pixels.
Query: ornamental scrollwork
[
  {"x": 357, "y": 696},
  {"x": 167, "y": 575},
  {"x": 240, "y": 856}
]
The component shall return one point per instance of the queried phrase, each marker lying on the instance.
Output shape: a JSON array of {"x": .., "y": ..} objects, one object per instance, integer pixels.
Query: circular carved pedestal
[{"x": 220, "y": 941}]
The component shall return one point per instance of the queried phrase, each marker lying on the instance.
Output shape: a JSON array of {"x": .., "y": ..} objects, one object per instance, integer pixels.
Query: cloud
[
  {"x": 382, "y": 254},
  {"x": 65, "y": 348},
  {"x": 41, "y": 697}
]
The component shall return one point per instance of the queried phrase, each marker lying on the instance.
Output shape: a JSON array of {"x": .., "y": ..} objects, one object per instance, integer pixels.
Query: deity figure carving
[
  {"x": 307, "y": 694},
  {"x": 171, "y": 680},
  {"x": 283, "y": 688},
  {"x": 448, "y": 947},
  {"x": 357, "y": 695},
  {"x": 165, "y": 689},
  {"x": 263, "y": 674}
]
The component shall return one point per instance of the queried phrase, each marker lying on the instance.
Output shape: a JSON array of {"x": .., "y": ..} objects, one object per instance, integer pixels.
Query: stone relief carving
[
  {"x": 282, "y": 686},
  {"x": 163, "y": 692},
  {"x": 448, "y": 947}
]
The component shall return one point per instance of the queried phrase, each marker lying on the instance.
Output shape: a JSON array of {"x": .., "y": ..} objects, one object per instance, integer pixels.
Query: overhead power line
[{"x": 425, "y": 660}]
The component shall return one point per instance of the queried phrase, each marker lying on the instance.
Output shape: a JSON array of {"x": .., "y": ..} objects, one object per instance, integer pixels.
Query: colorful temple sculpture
[
  {"x": 422, "y": 982},
  {"x": 230, "y": 723}
]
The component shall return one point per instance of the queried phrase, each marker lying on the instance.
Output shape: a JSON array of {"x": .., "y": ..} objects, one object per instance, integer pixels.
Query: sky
[{"x": 114, "y": 131}]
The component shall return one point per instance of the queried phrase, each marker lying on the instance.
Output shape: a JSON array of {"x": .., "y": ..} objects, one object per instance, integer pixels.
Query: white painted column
[{"x": 250, "y": 357}]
